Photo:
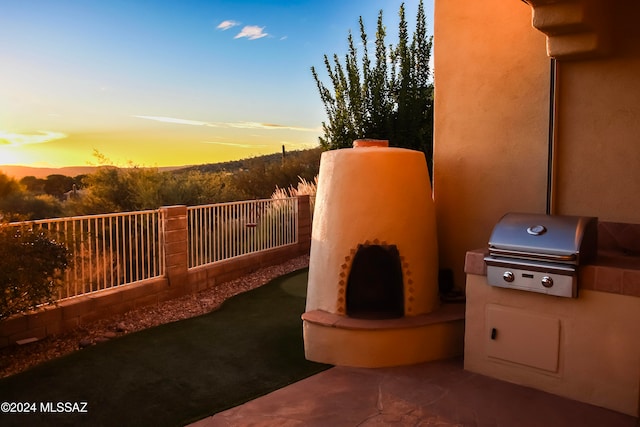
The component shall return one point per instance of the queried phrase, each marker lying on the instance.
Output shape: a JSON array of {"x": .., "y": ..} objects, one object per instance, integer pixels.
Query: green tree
[
  {"x": 24, "y": 206},
  {"x": 391, "y": 98},
  {"x": 107, "y": 192},
  {"x": 8, "y": 186},
  {"x": 413, "y": 92},
  {"x": 56, "y": 185},
  {"x": 260, "y": 178},
  {"x": 31, "y": 267},
  {"x": 16, "y": 204},
  {"x": 32, "y": 184}
]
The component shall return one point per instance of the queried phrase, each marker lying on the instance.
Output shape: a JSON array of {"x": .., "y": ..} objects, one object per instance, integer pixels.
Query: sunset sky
[{"x": 168, "y": 83}]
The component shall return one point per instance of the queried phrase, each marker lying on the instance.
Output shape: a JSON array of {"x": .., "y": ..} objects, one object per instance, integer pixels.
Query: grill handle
[{"x": 532, "y": 255}]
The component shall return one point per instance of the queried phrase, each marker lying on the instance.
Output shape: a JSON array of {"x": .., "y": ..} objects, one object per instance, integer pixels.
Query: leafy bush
[
  {"x": 260, "y": 177},
  {"x": 24, "y": 206},
  {"x": 120, "y": 189},
  {"x": 387, "y": 96},
  {"x": 31, "y": 267}
]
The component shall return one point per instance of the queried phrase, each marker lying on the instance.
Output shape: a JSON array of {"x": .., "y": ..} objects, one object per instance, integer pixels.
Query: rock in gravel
[
  {"x": 121, "y": 327},
  {"x": 109, "y": 335},
  {"x": 84, "y": 343}
]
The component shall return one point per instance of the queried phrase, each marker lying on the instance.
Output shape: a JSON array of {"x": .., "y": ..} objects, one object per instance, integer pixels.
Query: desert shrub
[
  {"x": 8, "y": 186},
  {"x": 31, "y": 267},
  {"x": 113, "y": 189},
  {"x": 260, "y": 176},
  {"x": 304, "y": 188},
  {"x": 24, "y": 206},
  {"x": 18, "y": 203}
]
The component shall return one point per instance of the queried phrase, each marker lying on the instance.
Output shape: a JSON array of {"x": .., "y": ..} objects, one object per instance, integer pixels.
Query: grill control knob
[
  {"x": 547, "y": 282},
  {"x": 508, "y": 276}
]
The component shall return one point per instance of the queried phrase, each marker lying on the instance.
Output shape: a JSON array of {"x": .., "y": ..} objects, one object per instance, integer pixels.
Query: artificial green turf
[{"x": 176, "y": 373}]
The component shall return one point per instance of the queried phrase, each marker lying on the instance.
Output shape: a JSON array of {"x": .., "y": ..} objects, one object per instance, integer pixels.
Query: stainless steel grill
[{"x": 541, "y": 253}]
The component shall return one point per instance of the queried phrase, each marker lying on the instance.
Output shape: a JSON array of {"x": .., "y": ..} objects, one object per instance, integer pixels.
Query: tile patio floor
[{"x": 438, "y": 393}]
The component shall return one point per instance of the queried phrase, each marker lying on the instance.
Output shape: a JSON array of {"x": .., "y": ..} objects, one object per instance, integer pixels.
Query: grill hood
[{"x": 552, "y": 238}]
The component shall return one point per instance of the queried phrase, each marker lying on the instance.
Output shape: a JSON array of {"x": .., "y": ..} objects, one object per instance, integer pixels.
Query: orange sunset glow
[{"x": 164, "y": 84}]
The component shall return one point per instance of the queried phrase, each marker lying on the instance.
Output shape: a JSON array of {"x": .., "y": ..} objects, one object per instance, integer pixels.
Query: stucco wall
[
  {"x": 597, "y": 361},
  {"x": 599, "y": 126},
  {"x": 491, "y": 121},
  {"x": 492, "y": 77}
]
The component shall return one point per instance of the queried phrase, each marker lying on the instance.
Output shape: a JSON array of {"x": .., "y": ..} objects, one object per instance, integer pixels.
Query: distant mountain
[
  {"x": 232, "y": 165},
  {"x": 308, "y": 155},
  {"x": 19, "y": 172}
]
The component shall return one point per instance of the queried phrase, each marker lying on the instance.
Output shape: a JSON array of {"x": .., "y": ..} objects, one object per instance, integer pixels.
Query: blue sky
[{"x": 165, "y": 83}]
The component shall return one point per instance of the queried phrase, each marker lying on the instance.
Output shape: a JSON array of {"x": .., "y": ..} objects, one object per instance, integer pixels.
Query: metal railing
[
  {"x": 227, "y": 230},
  {"x": 117, "y": 249},
  {"x": 107, "y": 250}
]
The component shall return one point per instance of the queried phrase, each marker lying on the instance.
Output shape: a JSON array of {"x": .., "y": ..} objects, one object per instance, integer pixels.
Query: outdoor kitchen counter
[
  {"x": 613, "y": 273},
  {"x": 583, "y": 348}
]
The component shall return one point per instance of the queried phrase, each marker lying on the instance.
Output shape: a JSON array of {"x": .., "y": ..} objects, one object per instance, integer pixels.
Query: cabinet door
[{"x": 522, "y": 337}]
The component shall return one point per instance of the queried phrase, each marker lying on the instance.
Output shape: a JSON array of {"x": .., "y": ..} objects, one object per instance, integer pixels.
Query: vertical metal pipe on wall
[{"x": 550, "y": 208}]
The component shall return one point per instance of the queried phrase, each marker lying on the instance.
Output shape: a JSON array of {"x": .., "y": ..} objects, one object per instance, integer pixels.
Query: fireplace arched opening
[{"x": 375, "y": 284}]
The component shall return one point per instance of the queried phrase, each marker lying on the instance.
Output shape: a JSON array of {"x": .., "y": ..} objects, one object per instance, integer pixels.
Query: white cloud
[
  {"x": 40, "y": 137},
  {"x": 269, "y": 126},
  {"x": 233, "y": 144},
  {"x": 176, "y": 121},
  {"x": 252, "y": 32},
  {"x": 235, "y": 125},
  {"x": 225, "y": 25}
]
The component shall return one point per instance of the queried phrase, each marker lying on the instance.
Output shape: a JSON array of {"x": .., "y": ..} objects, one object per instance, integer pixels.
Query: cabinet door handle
[{"x": 494, "y": 333}]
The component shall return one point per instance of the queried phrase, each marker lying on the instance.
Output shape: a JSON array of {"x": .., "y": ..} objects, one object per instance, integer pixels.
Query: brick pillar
[
  {"x": 175, "y": 245},
  {"x": 304, "y": 224}
]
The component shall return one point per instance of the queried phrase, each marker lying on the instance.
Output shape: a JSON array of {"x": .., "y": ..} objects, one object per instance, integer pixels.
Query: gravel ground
[{"x": 17, "y": 358}]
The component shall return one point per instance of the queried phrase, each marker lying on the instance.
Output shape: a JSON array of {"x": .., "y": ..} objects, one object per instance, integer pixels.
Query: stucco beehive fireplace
[{"x": 373, "y": 267}]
